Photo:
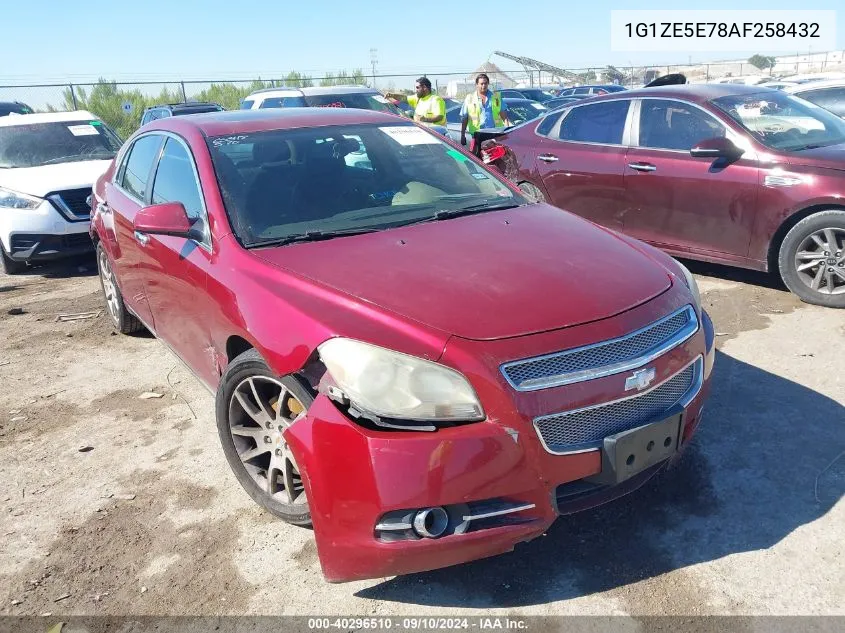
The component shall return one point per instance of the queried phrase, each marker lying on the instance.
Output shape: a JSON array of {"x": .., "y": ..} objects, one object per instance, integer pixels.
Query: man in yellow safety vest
[
  {"x": 429, "y": 108},
  {"x": 482, "y": 109}
]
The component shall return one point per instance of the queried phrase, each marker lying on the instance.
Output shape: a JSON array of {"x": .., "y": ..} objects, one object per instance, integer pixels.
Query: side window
[
  {"x": 832, "y": 99},
  {"x": 175, "y": 180},
  {"x": 246, "y": 104},
  {"x": 453, "y": 115},
  {"x": 673, "y": 125},
  {"x": 548, "y": 123},
  {"x": 137, "y": 170},
  {"x": 581, "y": 91},
  {"x": 282, "y": 102},
  {"x": 595, "y": 123}
]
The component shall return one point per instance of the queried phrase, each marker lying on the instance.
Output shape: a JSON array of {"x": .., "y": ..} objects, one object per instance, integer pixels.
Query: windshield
[
  {"x": 282, "y": 183},
  {"x": 38, "y": 144},
  {"x": 783, "y": 122},
  {"x": 197, "y": 109},
  {"x": 523, "y": 111},
  {"x": 362, "y": 101},
  {"x": 14, "y": 108}
]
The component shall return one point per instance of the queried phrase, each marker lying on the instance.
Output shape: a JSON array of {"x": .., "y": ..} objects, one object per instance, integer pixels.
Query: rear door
[
  {"x": 581, "y": 161},
  {"x": 125, "y": 196},
  {"x": 683, "y": 203},
  {"x": 175, "y": 269}
]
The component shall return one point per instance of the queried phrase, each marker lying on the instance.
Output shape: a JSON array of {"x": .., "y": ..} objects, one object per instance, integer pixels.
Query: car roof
[
  {"x": 519, "y": 101},
  {"x": 47, "y": 117},
  {"x": 189, "y": 104},
  {"x": 247, "y": 121},
  {"x": 281, "y": 91},
  {"x": 317, "y": 90},
  {"x": 815, "y": 85},
  {"x": 697, "y": 93}
]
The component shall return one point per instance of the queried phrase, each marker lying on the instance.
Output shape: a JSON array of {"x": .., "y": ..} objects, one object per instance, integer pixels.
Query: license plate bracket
[{"x": 630, "y": 452}]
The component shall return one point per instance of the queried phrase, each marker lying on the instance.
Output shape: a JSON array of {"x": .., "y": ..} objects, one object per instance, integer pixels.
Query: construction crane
[{"x": 530, "y": 65}]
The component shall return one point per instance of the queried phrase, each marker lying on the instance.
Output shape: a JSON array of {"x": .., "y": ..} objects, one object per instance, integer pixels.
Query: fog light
[{"x": 431, "y": 522}]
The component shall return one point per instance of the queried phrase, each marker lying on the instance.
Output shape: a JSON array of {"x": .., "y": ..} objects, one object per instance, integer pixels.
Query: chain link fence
[{"x": 121, "y": 104}]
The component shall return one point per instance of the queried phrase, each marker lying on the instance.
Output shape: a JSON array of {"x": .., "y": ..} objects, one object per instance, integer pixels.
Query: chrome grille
[
  {"x": 604, "y": 358},
  {"x": 72, "y": 203},
  {"x": 585, "y": 429}
]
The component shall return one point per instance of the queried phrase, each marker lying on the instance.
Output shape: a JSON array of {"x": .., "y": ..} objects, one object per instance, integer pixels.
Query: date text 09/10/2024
[{"x": 418, "y": 623}]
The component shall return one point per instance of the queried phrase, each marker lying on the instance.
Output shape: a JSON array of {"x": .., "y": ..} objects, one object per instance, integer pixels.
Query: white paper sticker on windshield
[
  {"x": 410, "y": 135},
  {"x": 539, "y": 106},
  {"x": 83, "y": 130},
  {"x": 379, "y": 98}
]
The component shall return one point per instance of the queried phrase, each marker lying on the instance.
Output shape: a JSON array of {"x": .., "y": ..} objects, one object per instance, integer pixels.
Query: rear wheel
[
  {"x": 531, "y": 192},
  {"x": 122, "y": 319},
  {"x": 10, "y": 266},
  {"x": 254, "y": 408},
  {"x": 812, "y": 259}
]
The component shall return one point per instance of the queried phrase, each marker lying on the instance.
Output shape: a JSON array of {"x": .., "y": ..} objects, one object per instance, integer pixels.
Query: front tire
[
  {"x": 254, "y": 406},
  {"x": 812, "y": 259},
  {"x": 531, "y": 192},
  {"x": 122, "y": 319},
  {"x": 10, "y": 266}
]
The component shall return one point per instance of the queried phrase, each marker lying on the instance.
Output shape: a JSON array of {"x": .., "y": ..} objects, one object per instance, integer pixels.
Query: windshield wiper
[
  {"x": 311, "y": 236},
  {"x": 444, "y": 214}
]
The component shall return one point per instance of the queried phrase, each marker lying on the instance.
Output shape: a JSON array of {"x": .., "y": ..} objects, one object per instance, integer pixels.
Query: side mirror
[
  {"x": 168, "y": 218},
  {"x": 719, "y": 147}
]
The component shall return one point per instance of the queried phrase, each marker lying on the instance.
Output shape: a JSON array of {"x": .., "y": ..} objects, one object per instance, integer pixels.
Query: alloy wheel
[
  {"x": 820, "y": 261},
  {"x": 109, "y": 287}
]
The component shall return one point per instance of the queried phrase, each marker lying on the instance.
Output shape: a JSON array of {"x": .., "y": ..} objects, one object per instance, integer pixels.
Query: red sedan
[
  {"x": 406, "y": 353},
  {"x": 731, "y": 174}
]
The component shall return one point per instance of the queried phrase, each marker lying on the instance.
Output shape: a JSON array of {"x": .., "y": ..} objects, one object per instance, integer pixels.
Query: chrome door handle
[
  {"x": 142, "y": 238},
  {"x": 548, "y": 158},
  {"x": 642, "y": 166}
]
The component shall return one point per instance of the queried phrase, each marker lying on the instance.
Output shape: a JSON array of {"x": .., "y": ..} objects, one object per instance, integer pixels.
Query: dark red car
[
  {"x": 406, "y": 352},
  {"x": 731, "y": 174}
]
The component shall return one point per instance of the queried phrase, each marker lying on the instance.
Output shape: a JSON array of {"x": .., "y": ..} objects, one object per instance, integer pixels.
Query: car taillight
[{"x": 492, "y": 153}]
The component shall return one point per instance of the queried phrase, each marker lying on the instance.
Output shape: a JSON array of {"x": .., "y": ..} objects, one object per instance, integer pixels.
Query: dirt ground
[{"x": 114, "y": 504}]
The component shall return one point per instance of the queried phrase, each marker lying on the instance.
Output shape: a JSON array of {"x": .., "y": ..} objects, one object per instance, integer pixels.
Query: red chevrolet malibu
[{"x": 406, "y": 353}]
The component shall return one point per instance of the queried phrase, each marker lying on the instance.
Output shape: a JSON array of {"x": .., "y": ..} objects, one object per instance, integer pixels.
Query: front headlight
[
  {"x": 393, "y": 385},
  {"x": 692, "y": 285},
  {"x": 14, "y": 200}
]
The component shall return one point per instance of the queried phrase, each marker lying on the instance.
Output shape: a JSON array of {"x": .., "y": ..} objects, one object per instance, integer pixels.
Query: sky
[{"x": 46, "y": 41}]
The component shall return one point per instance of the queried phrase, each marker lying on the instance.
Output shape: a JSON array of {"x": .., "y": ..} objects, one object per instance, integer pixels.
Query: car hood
[
  {"x": 492, "y": 275},
  {"x": 830, "y": 157},
  {"x": 39, "y": 181}
]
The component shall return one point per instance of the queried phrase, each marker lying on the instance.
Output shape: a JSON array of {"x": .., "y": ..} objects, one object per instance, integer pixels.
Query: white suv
[
  {"x": 48, "y": 163},
  {"x": 360, "y": 97}
]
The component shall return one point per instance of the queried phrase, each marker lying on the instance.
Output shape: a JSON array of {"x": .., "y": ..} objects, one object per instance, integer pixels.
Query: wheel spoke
[
  {"x": 817, "y": 280},
  {"x": 259, "y": 401},
  {"x": 809, "y": 255},
  {"x": 250, "y": 409},
  {"x": 806, "y": 266},
  {"x": 272, "y": 476},
  {"x": 829, "y": 281},
  {"x": 288, "y": 470},
  {"x": 253, "y": 453},
  {"x": 818, "y": 240},
  {"x": 248, "y": 431},
  {"x": 831, "y": 240},
  {"x": 839, "y": 272}
]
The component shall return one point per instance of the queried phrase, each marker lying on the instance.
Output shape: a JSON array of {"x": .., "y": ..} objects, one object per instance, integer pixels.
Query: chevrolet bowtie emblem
[{"x": 640, "y": 379}]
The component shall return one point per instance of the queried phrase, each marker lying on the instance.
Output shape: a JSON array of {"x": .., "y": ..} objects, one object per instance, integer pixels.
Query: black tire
[
  {"x": 10, "y": 266},
  {"x": 531, "y": 192},
  {"x": 800, "y": 239},
  {"x": 122, "y": 319},
  {"x": 247, "y": 365}
]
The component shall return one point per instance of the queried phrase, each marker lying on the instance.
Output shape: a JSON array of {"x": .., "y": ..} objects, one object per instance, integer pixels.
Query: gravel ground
[{"x": 113, "y": 504}]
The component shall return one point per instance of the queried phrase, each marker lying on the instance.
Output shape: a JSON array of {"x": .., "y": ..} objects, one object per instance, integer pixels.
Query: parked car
[
  {"x": 48, "y": 163},
  {"x": 409, "y": 359},
  {"x": 320, "y": 97},
  {"x": 560, "y": 102},
  {"x": 519, "y": 111},
  {"x": 777, "y": 85},
  {"x": 829, "y": 94},
  {"x": 178, "y": 109},
  {"x": 736, "y": 175},
  {"x": 533, "y": 94},
  {"x": 14, "y": 107},
  {"x": 601, "y": 89}
]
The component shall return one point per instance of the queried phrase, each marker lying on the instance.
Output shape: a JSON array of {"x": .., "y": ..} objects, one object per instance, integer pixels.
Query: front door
[
  {"x": 175, "y": 269},
  {"x": 582, "y": 161},
  {"x": 686, "y": 204},
  {"x": 126, "y": 196}
]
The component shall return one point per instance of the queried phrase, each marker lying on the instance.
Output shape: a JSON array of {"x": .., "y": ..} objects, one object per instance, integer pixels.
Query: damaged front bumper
[{"x": 492, "y": 484}]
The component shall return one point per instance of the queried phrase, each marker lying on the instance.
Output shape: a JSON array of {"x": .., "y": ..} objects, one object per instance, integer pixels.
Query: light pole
[{"x": 374, "y": 62}]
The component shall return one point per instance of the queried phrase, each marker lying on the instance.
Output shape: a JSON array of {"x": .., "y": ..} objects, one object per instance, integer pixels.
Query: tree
[
  {"x": 614, "y": 75},
  {"x": 763, "y": 62},
  {"x": 297, "y": 80},
  {"x": 586, "y": 77}
]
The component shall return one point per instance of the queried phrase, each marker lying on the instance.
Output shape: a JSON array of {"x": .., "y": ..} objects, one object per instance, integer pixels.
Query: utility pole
[{"x": 374, "y": 62}]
